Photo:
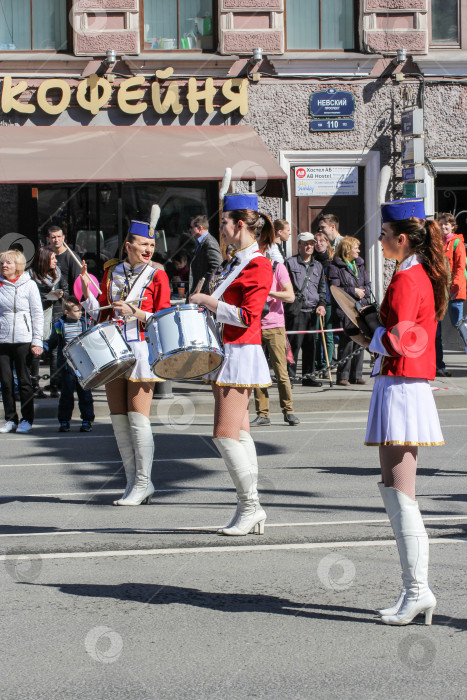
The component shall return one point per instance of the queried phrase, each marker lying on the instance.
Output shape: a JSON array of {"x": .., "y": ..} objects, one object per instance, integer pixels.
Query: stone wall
[{"x": 388, "y": 25}]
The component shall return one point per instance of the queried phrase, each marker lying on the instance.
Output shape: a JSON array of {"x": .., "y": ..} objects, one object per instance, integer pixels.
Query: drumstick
[
  {"x": 199, "y": 286},
  {"x": 133, "y": 301},
  {"x": 78, "y": 262}
]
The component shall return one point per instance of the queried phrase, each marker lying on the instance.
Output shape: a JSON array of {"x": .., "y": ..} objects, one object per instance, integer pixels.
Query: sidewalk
[{"x": 196, "y": 396}]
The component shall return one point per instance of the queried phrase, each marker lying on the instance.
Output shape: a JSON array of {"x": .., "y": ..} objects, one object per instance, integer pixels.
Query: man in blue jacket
[{"x": 307, "y": 277}]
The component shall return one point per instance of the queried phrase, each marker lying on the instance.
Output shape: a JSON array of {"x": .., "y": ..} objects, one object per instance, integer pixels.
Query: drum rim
[
  {"x": 91, "y": 330},
  {"x": 172, "y": 309},
  {"x": 114, "y": 363},
  {"x": 216, "y": 351}
]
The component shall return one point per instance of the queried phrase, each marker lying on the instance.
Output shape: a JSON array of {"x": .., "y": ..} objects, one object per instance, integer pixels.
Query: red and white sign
[{"x": 300, "y": 173}]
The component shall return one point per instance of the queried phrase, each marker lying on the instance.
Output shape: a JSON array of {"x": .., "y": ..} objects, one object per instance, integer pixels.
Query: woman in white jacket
[{"x": 21, "y": 328}]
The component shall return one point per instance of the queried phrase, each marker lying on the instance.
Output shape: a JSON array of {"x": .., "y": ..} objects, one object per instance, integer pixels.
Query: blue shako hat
[
  {"x": 141, "y": 228},
  {"x": 401, "y": 209},
  {"x": 240, "y": 201}
]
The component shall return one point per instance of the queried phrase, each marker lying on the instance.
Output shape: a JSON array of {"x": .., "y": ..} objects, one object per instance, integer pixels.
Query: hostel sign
[{"x": 54, "y": 95}]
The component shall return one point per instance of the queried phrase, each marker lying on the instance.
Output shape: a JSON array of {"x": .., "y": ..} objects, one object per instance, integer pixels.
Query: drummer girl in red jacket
[
  {"x": 402, "y": 412},
  {"x": 129, "y": 397},
  {"x": 237, "y": 299}
]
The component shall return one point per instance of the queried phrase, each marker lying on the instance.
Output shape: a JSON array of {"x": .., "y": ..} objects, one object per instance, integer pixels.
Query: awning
[{"x": 50, "y": 154}]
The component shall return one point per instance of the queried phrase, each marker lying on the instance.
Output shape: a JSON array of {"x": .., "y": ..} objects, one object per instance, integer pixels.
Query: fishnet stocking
[
  {"x": 124, "y": 396},
  {"x": 231, "y": 411},
  {"x": 399, "y": 467}
]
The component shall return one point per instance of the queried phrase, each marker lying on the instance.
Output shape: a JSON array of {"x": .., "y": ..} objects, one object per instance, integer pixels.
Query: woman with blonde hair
[
  {"x": 347, "y": 271},
  {"x": 21, "y": 328}
]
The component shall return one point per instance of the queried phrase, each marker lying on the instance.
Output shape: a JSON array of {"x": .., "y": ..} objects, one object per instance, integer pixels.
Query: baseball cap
[{"x": 305, "y": 236}]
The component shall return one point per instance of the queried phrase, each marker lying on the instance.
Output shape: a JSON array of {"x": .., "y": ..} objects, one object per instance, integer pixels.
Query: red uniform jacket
[
  {"x": 248, "y": 292},
  {"x": 156, "y": 291},
  {"x": 456, "y": 259},
  {"x": 408, "y": 313}
]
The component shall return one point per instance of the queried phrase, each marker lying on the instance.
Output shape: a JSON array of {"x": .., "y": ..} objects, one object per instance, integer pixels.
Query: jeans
[
  {"x": 455, "y": 311},
  {"x": 17, "y": 355},
  {"x": 68, "y": 384},
  {"x": 274, "y": 340}
]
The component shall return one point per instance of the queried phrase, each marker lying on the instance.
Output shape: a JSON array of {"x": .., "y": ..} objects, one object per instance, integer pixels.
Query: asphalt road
[{"x": 149, "y": 602}]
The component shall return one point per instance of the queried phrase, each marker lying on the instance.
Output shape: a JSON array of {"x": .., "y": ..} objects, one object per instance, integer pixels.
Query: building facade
[{"x": 110, "y": 106}]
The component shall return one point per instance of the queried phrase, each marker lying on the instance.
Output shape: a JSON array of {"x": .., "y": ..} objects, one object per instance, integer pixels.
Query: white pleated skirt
[
  {"x": 141, "y": 370},
  {"x": 244, "y": 365},
  {"x": 402, "y": 412}
]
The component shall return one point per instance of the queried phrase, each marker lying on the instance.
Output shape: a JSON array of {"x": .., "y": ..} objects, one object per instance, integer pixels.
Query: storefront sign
[
  {"x": 332, "y": 103},
  {"x": 94, "y": 93},
  {"x": 332, "y": 125},
  {"x": 325, "y": 182}
]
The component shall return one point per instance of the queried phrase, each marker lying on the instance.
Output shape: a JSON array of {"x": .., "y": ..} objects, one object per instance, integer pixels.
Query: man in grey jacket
[
  {"x": 207, "y": 256},
  {"x": 307, "y": 276}
]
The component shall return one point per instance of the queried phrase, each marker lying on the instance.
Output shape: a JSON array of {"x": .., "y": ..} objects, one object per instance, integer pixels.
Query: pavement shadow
[{"x": 160, "y": 594}]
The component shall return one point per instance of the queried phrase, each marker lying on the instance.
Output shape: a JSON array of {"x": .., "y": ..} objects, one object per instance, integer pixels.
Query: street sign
[
  {"x": 325, "y": 181},
  {"x": 416, "y": 172},
  {"x": 413, "y": 150},
  {"x": 332, "y": 125},
  {"x": 332, "y": 103},
  {"x": 412, "y": 122},
  {"x": 413, "y": 189}
]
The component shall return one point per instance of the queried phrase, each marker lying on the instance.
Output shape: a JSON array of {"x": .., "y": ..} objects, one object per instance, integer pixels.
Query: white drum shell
[
  {"x": 184, "y": 343},
  {"x": 99, "y": 355}
]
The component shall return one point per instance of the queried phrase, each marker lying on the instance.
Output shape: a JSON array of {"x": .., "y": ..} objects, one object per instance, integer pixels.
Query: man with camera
[{"x": 307, "y": 277}]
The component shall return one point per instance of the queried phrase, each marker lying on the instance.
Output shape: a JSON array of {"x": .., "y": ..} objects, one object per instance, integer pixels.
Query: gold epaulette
[{"x": 113, "y": 262}]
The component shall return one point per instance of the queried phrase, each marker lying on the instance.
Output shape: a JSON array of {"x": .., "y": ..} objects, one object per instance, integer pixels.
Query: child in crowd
[{"x": 68, "y": 327}]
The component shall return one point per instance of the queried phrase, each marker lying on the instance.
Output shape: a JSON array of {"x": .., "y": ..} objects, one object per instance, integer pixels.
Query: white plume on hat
[{"x": 155, "y": 214}]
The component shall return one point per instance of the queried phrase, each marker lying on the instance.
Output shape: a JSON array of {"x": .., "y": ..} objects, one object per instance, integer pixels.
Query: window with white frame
[
  {"x": 178, "y": 25},
  {"x": 320, "y": 24},
  {"x": 33, "y": 25},
  {"x": 445, "y": 25}
]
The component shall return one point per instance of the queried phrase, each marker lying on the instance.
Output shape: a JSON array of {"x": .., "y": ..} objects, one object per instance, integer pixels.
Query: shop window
[
  {"x": 33, "y": 25},
  {"x": 178, "y": 25},
  {"x": 445, "y": 22},
  {"x": 320, "y": 24}
]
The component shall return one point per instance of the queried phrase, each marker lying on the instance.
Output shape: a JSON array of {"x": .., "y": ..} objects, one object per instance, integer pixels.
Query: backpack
[{"x": 456, "y": 242}]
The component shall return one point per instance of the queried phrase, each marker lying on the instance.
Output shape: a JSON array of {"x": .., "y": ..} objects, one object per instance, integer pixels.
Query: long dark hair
[
  {"x": 252, "y": 220},
  {"x": 41, "y": 264},
  {"x": 426, "y": 239}
]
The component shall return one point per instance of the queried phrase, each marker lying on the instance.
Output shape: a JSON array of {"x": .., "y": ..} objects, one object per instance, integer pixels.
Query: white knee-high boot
[
  {"x": 143, "y": 444},
  {"x": 413, "y": 546},
  {"x": 248, "y": 443},
  {"x": 122, "y": 432},
  {"x": 249, "y": 515}
]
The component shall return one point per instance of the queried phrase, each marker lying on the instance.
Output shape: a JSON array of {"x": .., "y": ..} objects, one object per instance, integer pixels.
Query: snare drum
[
  {"x": 99, "y": 355},
  {"x": 184, "y": 343}
]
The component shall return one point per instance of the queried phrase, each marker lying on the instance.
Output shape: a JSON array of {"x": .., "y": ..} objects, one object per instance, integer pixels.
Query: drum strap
[
  {"x": 134, "y": 291},
  {"x": 233, "y": 274}
]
